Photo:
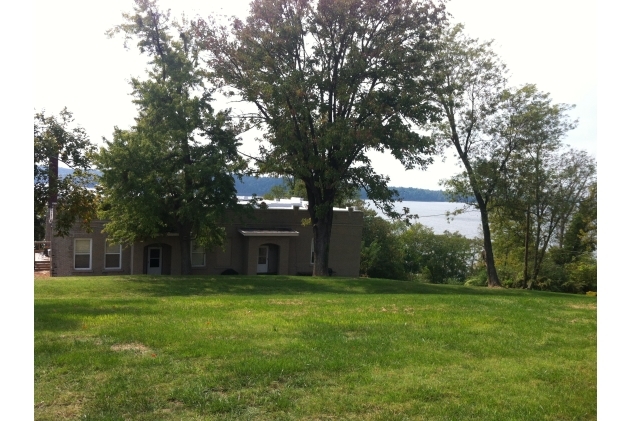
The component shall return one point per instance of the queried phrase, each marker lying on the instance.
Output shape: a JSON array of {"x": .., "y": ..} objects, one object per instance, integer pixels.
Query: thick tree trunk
[
  {"x": 185, "y": 249},
  {"x": 491, "y": 272},
  {"x": 321, "y": 241},
  {"x": 186, "y": 227}
]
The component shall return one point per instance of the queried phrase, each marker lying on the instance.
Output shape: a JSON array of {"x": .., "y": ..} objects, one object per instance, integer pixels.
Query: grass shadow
[
  {"x": 59, "y": 316},
  {"x": 163, "y": 286}
]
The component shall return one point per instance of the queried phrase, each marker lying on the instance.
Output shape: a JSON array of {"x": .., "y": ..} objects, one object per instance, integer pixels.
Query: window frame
[
  {"x": 75, "y": 254},
  {"x": 203, "y": 253},
  {"x": 120, "y": 256}
]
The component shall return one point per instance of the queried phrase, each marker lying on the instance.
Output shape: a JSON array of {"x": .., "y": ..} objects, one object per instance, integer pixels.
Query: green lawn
[{"x": 300, "y": 348}]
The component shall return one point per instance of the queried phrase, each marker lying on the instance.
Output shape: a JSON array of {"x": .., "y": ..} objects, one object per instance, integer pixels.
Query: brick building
[{"x": 271, "y": 240}]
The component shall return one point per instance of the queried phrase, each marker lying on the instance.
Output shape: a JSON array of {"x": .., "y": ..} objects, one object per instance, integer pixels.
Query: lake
[{"x": 432, "y": 215}]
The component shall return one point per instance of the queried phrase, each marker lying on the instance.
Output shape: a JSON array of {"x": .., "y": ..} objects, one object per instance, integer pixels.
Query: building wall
[
  {"x": 239, "y": 252},
  {"x": 63, "y": 253}
]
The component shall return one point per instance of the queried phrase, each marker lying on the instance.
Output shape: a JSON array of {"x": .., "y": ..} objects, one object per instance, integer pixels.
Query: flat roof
[
  {"x": 268, "y": 233},
  {"x": 286, "y": 204}
]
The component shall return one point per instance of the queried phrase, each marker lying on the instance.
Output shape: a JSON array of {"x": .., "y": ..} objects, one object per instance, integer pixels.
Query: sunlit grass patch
[{"x": 242, "y": 348}]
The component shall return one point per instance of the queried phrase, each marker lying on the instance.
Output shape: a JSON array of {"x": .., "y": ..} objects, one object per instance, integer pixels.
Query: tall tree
[
  {"x": 543, "y": 189},
  {"x": 172, "y": 171},
  {"x": 468, "y": 86},
  {"x": 56, "y": 140},
  {"x": 581, "y": 234},
  {"x": 331, "y": 80},
  {"x": 487, "y": 124}
]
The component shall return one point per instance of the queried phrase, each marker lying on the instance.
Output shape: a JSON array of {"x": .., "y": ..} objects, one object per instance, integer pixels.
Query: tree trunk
[
  {"x": 53, "y": 176},
  {"x": 491, "y": 272},
  {"x": 321, "y": 241},
  {"x": 185, "y": 249},
  {"x": 526, "y": 245}
]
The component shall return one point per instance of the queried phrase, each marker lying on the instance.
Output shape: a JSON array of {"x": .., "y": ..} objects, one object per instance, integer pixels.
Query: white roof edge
[{"x": 268, "y": 233}]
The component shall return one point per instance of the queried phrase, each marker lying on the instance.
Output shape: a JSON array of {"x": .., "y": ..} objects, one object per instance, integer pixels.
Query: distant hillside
[
  {"x": 63, "y": 172},
  {"x": 262, "y": 185},
  {"x": 412, "y": 194},
  {"x": 259, "y": 186}
]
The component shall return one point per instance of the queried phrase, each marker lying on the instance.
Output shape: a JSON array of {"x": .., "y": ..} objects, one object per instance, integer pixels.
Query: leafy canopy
[
  {"x": 330, "y": 81},
  {"x": 56, "y": 139},
  {"x": 172, "y": 171}
]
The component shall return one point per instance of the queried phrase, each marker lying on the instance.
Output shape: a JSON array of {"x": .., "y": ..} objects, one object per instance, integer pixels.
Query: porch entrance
[
  {"x": 154, "y": 261},
  {"x": 267, "y": 260},
  {"x": 263, "y": 260}
]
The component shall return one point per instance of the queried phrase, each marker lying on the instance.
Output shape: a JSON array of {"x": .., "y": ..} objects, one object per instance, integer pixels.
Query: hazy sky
[{"x": 550, "y": 43}]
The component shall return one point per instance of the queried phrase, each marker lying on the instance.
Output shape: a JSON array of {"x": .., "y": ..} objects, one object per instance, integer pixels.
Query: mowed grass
[{"x": 300, "y": 348}]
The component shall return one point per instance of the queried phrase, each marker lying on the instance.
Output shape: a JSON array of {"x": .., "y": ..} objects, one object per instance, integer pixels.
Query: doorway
[
  {"x": 154, "y": 261},
  {"x": 262, "y": 263},
  {"x": 267, "y": 259}
]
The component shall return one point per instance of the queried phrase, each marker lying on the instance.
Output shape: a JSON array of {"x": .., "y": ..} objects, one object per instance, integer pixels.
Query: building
[{"x": 273, "y": 240}]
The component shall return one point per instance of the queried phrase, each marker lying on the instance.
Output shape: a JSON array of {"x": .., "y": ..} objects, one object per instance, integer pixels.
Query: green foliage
[
  {"x": 289, "y": 188},
  {"x": 582, "y": 274},
  {"x": 382, "y": 252},
  {"x": 440, "y": 258},
  {"x": 394, "y": 250},
  {"x": 477, "y": 280},
  {"x": 580, "y": 237},
  {"x": 172, "y": 171},
  {"x": 56, "y": 140},
  {"x": 548, "y": 187},
  {"x": 332, "y": 81}
]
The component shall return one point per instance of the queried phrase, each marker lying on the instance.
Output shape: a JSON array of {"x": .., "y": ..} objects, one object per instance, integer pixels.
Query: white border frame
[
  {"x": 74, "y": 254},
  {"x": 120, "y": 257}
]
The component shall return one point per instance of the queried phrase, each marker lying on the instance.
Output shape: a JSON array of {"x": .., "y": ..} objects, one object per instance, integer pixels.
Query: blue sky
[{"x": 548, "y": 43}]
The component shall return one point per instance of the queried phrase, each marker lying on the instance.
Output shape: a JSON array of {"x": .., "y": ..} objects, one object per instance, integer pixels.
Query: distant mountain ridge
[
  {"x": 261, "y": 185},
  {"x": 252, "y": 185}
]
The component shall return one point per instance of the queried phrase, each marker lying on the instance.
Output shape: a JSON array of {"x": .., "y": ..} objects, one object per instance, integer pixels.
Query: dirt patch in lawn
[
  {"x": 286, "y": 302},
  {"x": 590, "y": 306},
  {"x": 134, "y": 346}
]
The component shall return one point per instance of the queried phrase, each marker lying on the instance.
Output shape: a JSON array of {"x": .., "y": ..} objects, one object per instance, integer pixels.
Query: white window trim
[
  {"x": 74, "y": 254},
  {"x": 120, "y": 257},
  {"x": 203, "y": 254}
]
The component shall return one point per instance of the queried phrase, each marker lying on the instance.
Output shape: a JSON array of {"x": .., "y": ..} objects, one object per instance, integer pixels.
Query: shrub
[
  {"x": 478, "y": 280},
  {"x": 582, "y": 274},
  {"x": 381, "y": 253},
  {"x": 439, "y": 257}
]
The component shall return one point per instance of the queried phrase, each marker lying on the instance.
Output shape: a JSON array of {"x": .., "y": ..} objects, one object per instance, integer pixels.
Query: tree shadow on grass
[
  {"x": 57, "y": 316},
  {"x": 161, "y": 286}
]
